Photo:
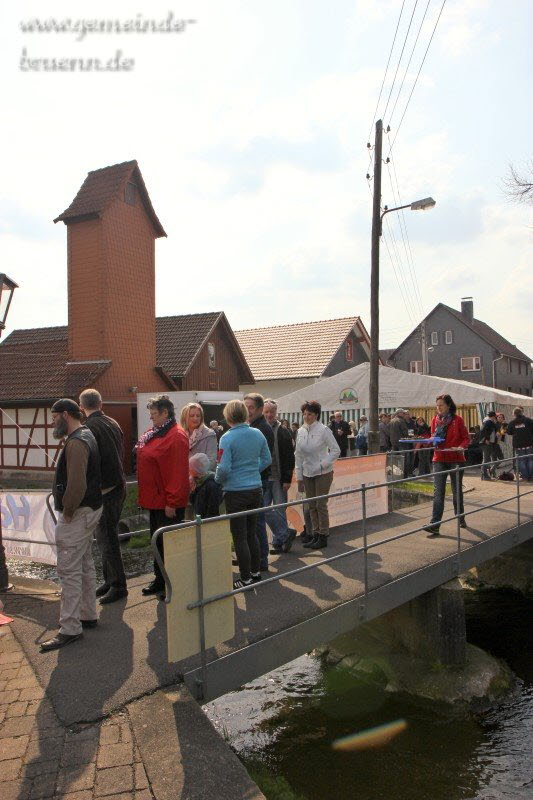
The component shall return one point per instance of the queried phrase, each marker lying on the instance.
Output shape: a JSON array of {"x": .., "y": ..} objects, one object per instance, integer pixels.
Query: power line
[
  {"x": 386, "y": 70},
  {"x": 398, "y": 202},
  {"x": 417, "y": 76},
  {"x": 400, "y": 286},
  {"x": 408, "y": 63},
  {"x": 400, "y": 59}
]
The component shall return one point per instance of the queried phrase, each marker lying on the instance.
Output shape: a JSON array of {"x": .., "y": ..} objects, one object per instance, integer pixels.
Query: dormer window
[
  {"x": 348, "y": 350},
  {"x": 130, "y": 193}
]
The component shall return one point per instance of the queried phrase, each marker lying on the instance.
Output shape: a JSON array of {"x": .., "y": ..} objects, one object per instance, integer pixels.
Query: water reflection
[{"x": 286, "y": 722}]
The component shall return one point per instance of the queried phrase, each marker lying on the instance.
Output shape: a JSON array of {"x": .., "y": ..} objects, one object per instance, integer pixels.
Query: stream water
[{"x": 283, "y": 724}]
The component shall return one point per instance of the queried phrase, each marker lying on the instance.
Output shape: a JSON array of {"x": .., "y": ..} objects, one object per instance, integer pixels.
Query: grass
[
  {"x": 130, "y": 507},
  {"x": 274, "y": 787},
  {"x": 421, "y": 488}
]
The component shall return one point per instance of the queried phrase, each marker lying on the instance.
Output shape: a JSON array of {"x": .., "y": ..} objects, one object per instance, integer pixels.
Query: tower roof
[{"x": 102, "y": 187}]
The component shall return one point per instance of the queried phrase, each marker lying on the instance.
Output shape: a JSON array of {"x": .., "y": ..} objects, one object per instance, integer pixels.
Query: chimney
[
  {"x": 112, "y": 228},
  {"x": 467, "y": 309}
]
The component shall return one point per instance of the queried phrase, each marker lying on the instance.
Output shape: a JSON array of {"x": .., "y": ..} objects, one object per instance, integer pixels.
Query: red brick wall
[{"x": 111, "y": 289}]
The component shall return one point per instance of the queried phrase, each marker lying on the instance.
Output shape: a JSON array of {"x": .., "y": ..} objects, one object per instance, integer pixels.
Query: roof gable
[
  {"x": 102, "y": 187},
  {"x": 301, "y": 350},
  {"x": 478, "y": 327}
]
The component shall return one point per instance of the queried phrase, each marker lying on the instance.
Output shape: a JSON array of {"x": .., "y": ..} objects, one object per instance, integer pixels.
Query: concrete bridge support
[{"x": 421, "y": 648}]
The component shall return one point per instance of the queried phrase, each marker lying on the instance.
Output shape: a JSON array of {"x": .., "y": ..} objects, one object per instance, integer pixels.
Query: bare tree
[{"x": 519, "y": 186}]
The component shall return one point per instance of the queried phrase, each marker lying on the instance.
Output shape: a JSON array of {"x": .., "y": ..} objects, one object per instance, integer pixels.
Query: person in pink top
[{"x": 447, "y": 425}]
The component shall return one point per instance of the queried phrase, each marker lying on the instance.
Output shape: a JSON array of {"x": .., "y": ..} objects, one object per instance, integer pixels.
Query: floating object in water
[{"x": 373, "y": 737}]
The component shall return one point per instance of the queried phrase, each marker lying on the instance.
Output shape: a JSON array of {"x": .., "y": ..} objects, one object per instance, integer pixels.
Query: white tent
[{"x": 398, "y": 389}]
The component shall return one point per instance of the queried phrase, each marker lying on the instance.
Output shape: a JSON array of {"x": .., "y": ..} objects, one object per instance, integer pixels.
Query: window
[
  {"x": 434, "y": 337},
  {"x": 211, "y": 355},
  {"x": 129, "y": 194},
  {"x": 448, "y": 337},
  {"x": 415, "y": 366},
  {"x": 470, "y": 364},
  {"x": 348, "y": 350}
]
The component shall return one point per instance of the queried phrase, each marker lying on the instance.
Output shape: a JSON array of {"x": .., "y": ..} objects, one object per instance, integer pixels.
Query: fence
[{"x": 201, "y": 602}]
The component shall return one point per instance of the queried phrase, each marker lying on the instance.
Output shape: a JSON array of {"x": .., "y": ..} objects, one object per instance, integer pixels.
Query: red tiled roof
[
  {"x": 34, "y": 361},
  {"x": 303, "y": 350},
  {"x": 101, "y": 187},
  {"x": 179, "y": 339}
]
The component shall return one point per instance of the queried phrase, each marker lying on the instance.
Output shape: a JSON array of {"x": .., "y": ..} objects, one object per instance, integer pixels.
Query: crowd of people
[{"x": 190, "y": 469}]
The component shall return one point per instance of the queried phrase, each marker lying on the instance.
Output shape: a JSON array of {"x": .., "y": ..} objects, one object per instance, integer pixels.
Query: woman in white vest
[{"x": 316, "y": 452}]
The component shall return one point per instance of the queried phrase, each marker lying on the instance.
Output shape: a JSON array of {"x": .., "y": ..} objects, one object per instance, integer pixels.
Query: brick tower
[{"x": 111, "y": 232}]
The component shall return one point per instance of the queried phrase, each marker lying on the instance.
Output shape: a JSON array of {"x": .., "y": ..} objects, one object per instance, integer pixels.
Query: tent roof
[{"x": 397, "y": 389}]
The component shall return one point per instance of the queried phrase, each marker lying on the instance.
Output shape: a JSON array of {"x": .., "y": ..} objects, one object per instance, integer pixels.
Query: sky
[{"x": 250, "y": 127}]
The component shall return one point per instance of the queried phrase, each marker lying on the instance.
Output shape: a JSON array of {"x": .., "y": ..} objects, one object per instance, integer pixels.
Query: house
[
  {"x": 454, "y": 344},
  {"x": 112, "y": 341},
  {"x": 284, "y": 358}
]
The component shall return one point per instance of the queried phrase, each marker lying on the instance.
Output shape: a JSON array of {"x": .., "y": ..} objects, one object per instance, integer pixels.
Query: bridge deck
[{"x": 125, "y": 657}]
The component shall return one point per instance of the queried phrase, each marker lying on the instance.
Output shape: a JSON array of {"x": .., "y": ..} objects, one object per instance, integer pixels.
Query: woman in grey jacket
[{"x": 201, "y": 438}]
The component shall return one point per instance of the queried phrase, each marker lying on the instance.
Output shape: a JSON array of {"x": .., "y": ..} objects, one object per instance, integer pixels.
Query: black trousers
[
  {"x": 107, "y": 538},
  {"x": 243, "y": 529},
  {"x": 158, "y": 519}
]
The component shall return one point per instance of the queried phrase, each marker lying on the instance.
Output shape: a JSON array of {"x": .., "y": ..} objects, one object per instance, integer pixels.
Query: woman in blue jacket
[{"x": 243, "y": 454}]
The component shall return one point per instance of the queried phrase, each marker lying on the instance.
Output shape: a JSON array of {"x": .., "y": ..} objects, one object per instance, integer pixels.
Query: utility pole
[
  {"x": 424, "y": 348},
  {"x": 373, "y": 433}
]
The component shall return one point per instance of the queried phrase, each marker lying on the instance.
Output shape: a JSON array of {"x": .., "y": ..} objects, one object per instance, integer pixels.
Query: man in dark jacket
[
  {"x": 398, "y": 429},
  {"x": 255, "y": 404},
  {"x": 279, "y": 482},
  {"x": 78, "y": 499},
  {"x": 521, "y": 429},
  {"x": 341, "y": 430},
  {"x": 110, "y": 440},
  {"x": 206, "y": 493},
  {"x": 488, "y": 440}
]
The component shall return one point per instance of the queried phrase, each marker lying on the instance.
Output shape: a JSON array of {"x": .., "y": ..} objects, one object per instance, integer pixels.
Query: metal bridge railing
[{"x": 199, "y": 525}]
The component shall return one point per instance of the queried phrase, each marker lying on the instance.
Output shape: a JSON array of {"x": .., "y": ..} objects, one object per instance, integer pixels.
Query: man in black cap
[
  {"x": 110, "y": 441},
  {"x": 78, "y": 499}
]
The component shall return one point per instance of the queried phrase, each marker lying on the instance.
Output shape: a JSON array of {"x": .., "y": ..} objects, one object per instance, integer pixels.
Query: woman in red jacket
[
  {"x": 163, "y": 475},
  {"x": 447, "y": 424}
]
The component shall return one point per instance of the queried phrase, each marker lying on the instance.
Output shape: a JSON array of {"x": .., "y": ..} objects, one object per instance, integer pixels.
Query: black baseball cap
[{"x": 66, "y": 404}]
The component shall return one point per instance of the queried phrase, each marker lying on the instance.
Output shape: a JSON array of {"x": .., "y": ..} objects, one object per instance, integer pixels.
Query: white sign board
[{"x": 28, "y": 530}]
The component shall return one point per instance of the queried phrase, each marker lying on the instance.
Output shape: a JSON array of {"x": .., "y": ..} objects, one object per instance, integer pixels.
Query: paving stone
[
  {"x": 78, "y": 753},
  {"x": 109, "y": 734},
  {"x": 2, "y": 715},
  {"x": 36, "y": 768},
  {"x": 141, "y": 781},
  {"x": 16, "y": 726},
  {"x": 84, "y": 795},
  {"x": 136, "y": 754},
  {"x": 74, "y": 779},
  {"x": 55, "y": 731},
  {"x": 10, "y": 645},
  {"x": 11, "y": 658},
  {"x": 125, "y": 733},
  {"x": 3, "y": 685},
  {"x": 9, "y": 672},
  {"x": 17, "y": 709},
  {"x": 43, "y": 749},
  {"x": 43, "y": 786},
  {"x": 22, "y": 683},
  {"x": 86, "y": 733},
  {"x": 13, "y": 747},
  {"x": 35, "y": 693},
  {"x": 115, "y": 755},
  {"x": 15, "y": 790},
  {"x": 113, "y": 781},
  {"x": 25, "y": 672},
  {"x": 145, "y": 794},
  {"x": 10, "y": 696},
  {"x": 9, "y": 770}
]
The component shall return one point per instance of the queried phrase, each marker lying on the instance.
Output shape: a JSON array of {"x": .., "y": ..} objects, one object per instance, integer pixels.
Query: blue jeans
[
  {"x": 261, "y": 531},
  {"x": 276, "y": 518},
  {"x": 525, "y": 465},
  {"x": 440, "y": 476}
]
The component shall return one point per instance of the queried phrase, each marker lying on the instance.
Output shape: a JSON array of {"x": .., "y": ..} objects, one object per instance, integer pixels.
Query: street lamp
[
  {"x": 377, "y": 225},
  {"x": 7, "y": 287}
]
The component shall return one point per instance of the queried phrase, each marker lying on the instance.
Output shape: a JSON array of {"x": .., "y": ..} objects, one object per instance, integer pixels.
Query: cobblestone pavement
[{"x": 40, "y": 758}]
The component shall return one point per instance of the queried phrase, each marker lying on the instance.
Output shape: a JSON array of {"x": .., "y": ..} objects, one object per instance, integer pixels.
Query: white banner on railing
[{"x": 28, "y": 530}]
